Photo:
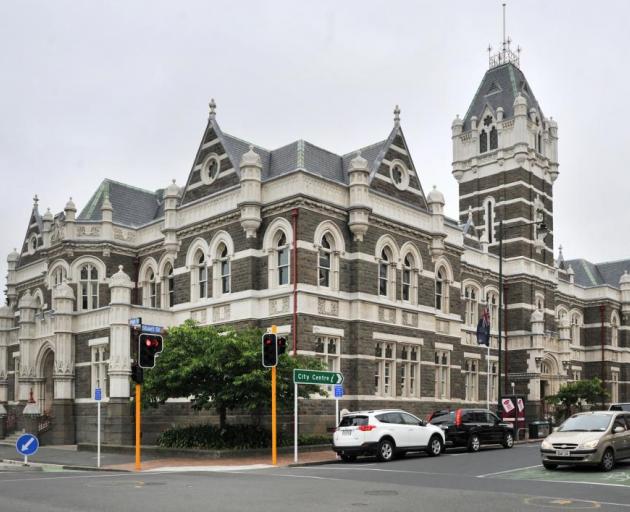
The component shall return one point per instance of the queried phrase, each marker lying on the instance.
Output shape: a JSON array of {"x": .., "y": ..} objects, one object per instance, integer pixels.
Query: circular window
[
  {"x": 210, "y": 169},
  {"x": 399, "y": 174}
]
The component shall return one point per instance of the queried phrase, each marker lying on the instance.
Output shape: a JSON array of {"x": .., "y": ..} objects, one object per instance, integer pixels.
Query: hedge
[{"x": 240, "y": 437}]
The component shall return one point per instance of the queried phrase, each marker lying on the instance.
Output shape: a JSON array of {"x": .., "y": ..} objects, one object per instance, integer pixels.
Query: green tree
[
  {"x": 220, "y": 368},
  {"x": 573, "y": 396}
]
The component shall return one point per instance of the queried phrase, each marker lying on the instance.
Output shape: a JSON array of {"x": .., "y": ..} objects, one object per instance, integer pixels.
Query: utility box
[{"x": 539, "y": 429}]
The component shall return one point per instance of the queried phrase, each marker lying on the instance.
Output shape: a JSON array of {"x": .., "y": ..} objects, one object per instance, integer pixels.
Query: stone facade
[{"x": 388, "y": 290}]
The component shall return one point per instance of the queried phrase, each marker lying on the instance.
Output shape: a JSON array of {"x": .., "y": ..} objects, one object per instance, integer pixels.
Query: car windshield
[
  {"x": 620, "y": 407},
  {"x": 587, "y": 423},
  {"x": 353, "y": 421}
]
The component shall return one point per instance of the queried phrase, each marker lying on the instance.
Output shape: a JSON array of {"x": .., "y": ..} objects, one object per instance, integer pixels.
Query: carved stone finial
[
  {"x": 397, "y": 115},
  {"x": 213, "y": 107},
  {"x": 35, "y": 200}
]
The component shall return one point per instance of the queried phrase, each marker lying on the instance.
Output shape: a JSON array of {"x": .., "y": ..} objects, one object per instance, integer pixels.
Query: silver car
[{"x": 590, "y": 438}]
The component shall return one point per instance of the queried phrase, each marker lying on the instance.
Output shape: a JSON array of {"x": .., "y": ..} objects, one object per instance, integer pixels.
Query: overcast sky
[{"x": 119, "y": 89}]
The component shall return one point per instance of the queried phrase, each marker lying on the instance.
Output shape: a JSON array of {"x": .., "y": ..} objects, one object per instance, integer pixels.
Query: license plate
[
  {"x": 563, "y": 453},
  {"x": 346, "y": 432}
]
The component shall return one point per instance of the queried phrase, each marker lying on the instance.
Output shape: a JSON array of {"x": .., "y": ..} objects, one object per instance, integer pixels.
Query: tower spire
[{"x": 505, "y": 55}]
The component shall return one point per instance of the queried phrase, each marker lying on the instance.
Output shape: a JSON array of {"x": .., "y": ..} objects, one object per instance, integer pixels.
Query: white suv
[{"x": 385, "y": 433}]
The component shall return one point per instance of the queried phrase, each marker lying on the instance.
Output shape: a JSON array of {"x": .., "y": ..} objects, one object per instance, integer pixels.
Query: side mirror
[{"x": 618, "y": 430}]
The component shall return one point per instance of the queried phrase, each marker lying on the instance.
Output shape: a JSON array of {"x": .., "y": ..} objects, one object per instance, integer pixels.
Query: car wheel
[
  {"x": 549, "y": 465},
  {"x": 474, "y": 444},
  {"x": 435, "y": 446},
  {"x": 348, "y": 458},
  {"x": 385, "y": 450},
  {"x": 608, "y": 460},
  {"x": 508, "y": 440}
]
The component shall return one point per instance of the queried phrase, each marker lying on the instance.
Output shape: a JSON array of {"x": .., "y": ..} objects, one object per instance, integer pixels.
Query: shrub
[{"x": 239, "y": 437}]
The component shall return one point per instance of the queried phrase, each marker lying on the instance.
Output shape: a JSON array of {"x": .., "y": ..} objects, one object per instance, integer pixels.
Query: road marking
[
  {"x": 109, "y": 475},
  {"x": 576, "y": 482},
  {"x": 509, "y": 471},
  {"x": 378, "y": 469},
  {"x": 208, "y": 469}
]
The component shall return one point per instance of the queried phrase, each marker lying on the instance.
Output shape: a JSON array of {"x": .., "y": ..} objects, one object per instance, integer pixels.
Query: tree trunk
[{"x": 222, "y": 416}]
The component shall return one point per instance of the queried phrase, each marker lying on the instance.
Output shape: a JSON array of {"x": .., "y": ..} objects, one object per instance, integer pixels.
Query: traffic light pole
[
  {"x": 274, "y": 427},
  {"x": 138, "y": 398}
]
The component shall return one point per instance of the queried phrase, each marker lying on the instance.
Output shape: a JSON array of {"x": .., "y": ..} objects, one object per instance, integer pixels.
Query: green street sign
[{"x": 316, "y": 377}]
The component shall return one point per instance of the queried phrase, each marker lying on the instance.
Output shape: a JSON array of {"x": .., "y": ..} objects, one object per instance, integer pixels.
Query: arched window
[
  {"x": 489, "y": 211},
  {"x": 441, "y": 290},
  {"x": 407, "y": 278},
  {"x": 614, "y": 329},
  {"x": 222, "y": 271},
  {"x": 384, "y": 270},
  {"x": 200, "y": 273},
  {"x": 576, "y": 326},
  {"x": 539, "y": 142},
  {"x": 168, "y": 286},
  {"x": 58, "y": 276},
  {"x": 88, "y": 286},
  {"x": 540, "y": 302},
  {"x": 325, "y": 260},
  {"x": 282, "y": 258},
  {"x": 494, "y": 138},
  {"x": 471, "y": 298},
  {"x": 483, "y": 141},
  {"x": 492, "y": 301},
  {"x": 150, "y": 289}
]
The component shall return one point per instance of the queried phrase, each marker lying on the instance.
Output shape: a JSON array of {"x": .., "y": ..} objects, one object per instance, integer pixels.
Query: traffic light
[
  {"x": 137, "y": 375},
  {"x": 269, "y": 350},
  {"x": 282, "y": 345},
  {"x": 149, "y": 346}
]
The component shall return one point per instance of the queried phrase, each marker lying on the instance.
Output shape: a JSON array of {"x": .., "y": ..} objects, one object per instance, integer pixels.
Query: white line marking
[
  {"x": 208, "y": 469},
  {"x": 380, "y": 470},
  {"x": 575, "y": 482},
  {"x": 509, "y": 471},
  {"x": 110, "y": 475}
]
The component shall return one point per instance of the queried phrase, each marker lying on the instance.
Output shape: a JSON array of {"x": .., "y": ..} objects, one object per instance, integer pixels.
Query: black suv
[{"x": 472, "y": 428}]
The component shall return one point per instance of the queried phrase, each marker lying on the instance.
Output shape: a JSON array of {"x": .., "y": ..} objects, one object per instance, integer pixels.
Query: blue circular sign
[{"x": 27, "y": 444}]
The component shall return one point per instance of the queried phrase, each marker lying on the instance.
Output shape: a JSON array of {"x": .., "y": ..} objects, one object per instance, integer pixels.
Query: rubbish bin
[{"x": 538, "y": 429}]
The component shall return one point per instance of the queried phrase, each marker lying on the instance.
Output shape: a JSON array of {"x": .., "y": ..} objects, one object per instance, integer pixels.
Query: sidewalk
[{"x": 70, "y": 457}]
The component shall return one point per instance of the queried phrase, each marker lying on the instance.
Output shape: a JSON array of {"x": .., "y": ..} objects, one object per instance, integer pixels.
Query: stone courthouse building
[{"x": 347, "y": 254}]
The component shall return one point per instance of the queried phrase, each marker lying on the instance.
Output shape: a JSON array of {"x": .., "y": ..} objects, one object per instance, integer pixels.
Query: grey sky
[{"x": 119, "y": 89}]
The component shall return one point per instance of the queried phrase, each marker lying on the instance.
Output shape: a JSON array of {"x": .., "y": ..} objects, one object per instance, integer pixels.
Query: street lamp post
[{"x": 541, "y": 233}]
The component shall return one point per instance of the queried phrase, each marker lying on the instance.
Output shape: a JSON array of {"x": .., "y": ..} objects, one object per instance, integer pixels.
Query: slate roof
[
  {"x": 499, "y": 87},
  {"x": 131, "y": 206},
  {"x": 597, "y": 274},
  {"x": 302, "y": 154}
]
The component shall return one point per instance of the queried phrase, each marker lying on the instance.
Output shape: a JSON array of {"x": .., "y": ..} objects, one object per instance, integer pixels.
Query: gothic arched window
[
  {"x": 325, "y": 260},
  {"x": 168, "y": 287},
  {"x": 384, "y": 272},
  {"x": 494, "y": 138},
  {"x": 282, "y": 258},
  {"x": 222, "y": 270},
  {"x": 201, "y": 274},
  {"x": 88, "y": 285},
  {"x": 483, "y": 142}
]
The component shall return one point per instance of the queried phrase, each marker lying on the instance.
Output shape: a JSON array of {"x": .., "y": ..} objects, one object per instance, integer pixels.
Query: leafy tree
[
  {"x": 220, "y": 368},
  {"x": 573, "y": 396}
]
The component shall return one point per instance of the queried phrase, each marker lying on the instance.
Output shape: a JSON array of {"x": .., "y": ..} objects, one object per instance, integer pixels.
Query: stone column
[
  {"x": 119, "y": 408},
  {"x": 63, "y": 430},
  {"x": 6, "y": 323},
  {"x": 12, "y": 261},
  {"x": 3, "y": 422},
  {"x": 537, "y": 322},
  {"x": 27, "y": 307}
]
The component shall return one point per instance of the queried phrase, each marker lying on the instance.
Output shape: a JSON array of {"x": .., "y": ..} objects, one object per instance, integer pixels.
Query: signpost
[
  {"x": 98, "y": 397},
  {"x": 27, "y": 444},
  {"x": 317, "y": 378}
]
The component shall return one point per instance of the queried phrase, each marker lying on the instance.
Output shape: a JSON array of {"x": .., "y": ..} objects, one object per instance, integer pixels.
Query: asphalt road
[{"x": 492, "y": 480}]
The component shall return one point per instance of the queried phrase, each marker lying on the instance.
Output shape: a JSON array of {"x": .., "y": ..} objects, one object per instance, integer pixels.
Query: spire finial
[
  {"x": 213, "y": 107},
  {"x": 397, "y": 115},
  {"x": 35, "y": 200},
  {"x": 504, "y": 55}
]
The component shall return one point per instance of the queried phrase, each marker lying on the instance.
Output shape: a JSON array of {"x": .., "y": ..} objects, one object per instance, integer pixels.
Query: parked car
[
  {"x": 589, "y": 438},
  {"x": 473, "y": 428},
  {"x": 385, "y": 433},
  {"x": 619, "y": 407}
]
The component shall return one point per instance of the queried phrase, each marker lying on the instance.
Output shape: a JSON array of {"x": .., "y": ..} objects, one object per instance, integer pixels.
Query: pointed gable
[
  {"x": 214, "y": 168},
  {"x": 392, "y": 171}
]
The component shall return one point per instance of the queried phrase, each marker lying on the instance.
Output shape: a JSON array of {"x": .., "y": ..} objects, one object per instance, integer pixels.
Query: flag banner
[{"x": 483, "y": 328}]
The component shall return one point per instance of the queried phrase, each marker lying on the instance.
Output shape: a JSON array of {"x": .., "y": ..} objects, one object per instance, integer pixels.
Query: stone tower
[{"x": 505, "y": 160}]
